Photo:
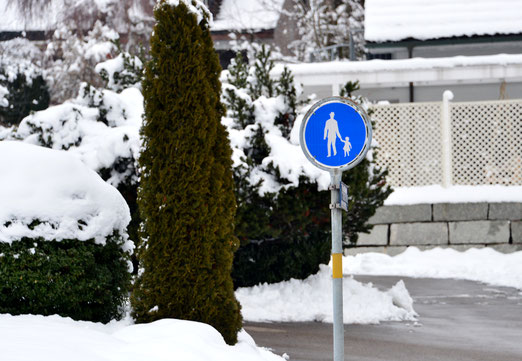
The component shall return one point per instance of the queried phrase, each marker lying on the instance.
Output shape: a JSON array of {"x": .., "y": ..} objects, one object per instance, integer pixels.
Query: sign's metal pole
[{"x": 337, "y": 268}]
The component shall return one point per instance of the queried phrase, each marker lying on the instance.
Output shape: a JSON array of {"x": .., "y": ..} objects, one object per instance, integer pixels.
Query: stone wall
[{"x": 456, "y": 225}]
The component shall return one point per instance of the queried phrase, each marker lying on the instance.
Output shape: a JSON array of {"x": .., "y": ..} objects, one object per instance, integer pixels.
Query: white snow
[
  {"x": 454, "y": 194},
  {"x": 476, "y": 264},
  {"x": 420, "y": 19},
  {"x": 311, "y": 300},
  {"x": 54, "y": 338},
  {"x": 248, "y": 15},
  {"x": 57, "y": 189}
]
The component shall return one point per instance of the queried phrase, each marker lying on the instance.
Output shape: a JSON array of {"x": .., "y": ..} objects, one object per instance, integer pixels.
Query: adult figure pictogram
[{"x": 331, "y": 129}]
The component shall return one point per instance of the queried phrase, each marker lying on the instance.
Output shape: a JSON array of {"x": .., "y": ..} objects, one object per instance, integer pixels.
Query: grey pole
[{"x": 337, "y": 272}]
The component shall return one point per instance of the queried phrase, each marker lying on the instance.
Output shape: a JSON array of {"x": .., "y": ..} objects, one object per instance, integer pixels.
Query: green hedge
[{"x": 78, "y": 279}]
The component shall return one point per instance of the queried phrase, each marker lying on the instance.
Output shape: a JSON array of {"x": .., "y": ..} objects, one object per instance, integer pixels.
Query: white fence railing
[{"x": 469, "y": 143}]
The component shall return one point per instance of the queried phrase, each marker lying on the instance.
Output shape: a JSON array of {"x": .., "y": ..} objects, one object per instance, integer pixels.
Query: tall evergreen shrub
[{"x": 186, "y": 193}]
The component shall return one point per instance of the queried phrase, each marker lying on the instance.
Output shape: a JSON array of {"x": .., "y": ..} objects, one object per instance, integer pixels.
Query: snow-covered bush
[
  {"x": 274, "y": 193},
  {"x": 283, "y": 219},
  {"x": 100, "y": 126},
  {"x": 122, "y": 72},
  {"x": 23, "y": 88},
  {"x": 63, "y": 242}
]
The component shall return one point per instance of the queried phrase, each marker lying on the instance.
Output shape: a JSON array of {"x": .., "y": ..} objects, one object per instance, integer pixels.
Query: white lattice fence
[
  {"x": 410, "y": 142},
  {"x": 486, "y": 142}
]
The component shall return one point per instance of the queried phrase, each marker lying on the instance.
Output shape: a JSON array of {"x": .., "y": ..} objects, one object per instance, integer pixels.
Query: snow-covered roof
[
  {"x": 421, "y": 19},
  {"x": 247, "y": 15}
]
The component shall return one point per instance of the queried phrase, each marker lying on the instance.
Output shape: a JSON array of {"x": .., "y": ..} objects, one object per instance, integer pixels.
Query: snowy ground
[{"x": 54, "y": 338}]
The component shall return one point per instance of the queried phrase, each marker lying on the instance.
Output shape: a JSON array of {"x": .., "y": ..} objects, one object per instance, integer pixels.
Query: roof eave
[{"x": 456, "y": 40}]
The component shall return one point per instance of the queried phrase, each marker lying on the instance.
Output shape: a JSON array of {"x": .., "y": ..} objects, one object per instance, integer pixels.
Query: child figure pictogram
[{"x": 347, "y": 146}]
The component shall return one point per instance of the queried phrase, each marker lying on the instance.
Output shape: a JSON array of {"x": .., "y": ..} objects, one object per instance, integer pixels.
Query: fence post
[
  {"x": 446, "y": 138},
  {"x": 336, "y": 88}
]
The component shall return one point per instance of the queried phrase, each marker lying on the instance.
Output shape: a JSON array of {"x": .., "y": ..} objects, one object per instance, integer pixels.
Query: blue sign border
[{"x": 363, "y": 150}]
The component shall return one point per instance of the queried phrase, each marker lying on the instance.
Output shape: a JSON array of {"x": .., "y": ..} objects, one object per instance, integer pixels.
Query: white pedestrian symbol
[
  {"x": 332, "y": 130},
  {"x": 347, "y": 146}
]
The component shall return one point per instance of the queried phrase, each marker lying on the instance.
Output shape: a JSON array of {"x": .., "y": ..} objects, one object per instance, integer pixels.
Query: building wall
[{"x": 440, "y": 51}]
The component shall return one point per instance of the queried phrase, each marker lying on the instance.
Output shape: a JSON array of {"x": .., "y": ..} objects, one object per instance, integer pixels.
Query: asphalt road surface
[{"x": 458, "y": 320}]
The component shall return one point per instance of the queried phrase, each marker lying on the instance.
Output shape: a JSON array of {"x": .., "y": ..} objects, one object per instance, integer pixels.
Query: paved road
[{"x": 459, "y": 320}]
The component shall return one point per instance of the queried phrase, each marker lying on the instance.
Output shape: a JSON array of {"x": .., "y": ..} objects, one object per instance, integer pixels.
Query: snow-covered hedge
[
  {"x": 56, "y": 190},
  {"x": 63, "y": 242}
]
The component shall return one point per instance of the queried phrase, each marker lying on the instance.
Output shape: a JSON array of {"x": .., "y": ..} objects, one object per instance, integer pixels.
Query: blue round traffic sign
[{"x": 335, "y": 134}]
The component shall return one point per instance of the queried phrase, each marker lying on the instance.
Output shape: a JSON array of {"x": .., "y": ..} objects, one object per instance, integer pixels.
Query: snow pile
[
  {"x": 54, "y": 338},
  {"x": 455, "y": 194},
  {"x": 311, "y": 300},
  {"x": 100, "y": 127},
  {"x": 419, "y": 19},
  {"x": 240, "y": 15},
  {"x": 482, "y": 265},
  {"x": 52, "y": 194}
]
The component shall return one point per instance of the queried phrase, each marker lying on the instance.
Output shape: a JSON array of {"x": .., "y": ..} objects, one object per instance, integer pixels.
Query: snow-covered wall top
[
  {"x": 250, "y": 15},
  {"x": 420, "y": 19},
  {"x": 56, "y": 189}
]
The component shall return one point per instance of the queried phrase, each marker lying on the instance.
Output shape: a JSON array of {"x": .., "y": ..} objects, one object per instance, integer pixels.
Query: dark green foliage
[
  {"x": 241, "y": 109},
  {"x": 25, "y": 95},
  {"x": 186, "y": 194},
  {"x": 284, "y": 237},
  {"x": 72, "y": 278},
  {"x": 264, "y": 84},
  {"x": 285, "y": 87}
]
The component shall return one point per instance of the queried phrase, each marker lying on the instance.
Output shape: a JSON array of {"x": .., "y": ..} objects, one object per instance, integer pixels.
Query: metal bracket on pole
[{"x": 336, "y": 206}]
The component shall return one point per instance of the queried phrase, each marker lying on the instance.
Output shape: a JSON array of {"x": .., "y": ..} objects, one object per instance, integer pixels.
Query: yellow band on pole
[{"x": 337, "y": 265}]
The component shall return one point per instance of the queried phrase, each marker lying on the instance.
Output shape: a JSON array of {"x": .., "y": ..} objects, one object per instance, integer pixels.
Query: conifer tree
[{"x": 186, "y": 193}]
